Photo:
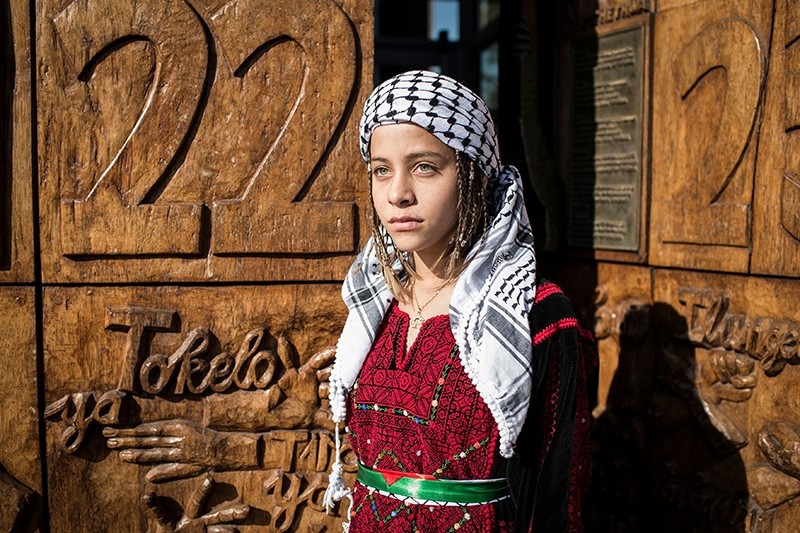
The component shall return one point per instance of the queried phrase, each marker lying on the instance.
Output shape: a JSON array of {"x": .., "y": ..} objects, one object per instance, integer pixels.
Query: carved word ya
[
  {"x": 774, "y": 342},
  {"x": 80, "y": 410},
  {"x": 291, "y": 491}
]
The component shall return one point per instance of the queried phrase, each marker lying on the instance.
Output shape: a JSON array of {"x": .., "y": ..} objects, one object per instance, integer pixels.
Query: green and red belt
[{"x": 424, "y": 487}]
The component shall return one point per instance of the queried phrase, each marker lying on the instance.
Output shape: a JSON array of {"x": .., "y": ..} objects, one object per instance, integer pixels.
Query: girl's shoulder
[{"x": 553, "y": 312}]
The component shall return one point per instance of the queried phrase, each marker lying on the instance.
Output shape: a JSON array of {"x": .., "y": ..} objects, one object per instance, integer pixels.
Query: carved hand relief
[
  {"x": 718, "y": 76},
  {"x": 700, "y": 414},
  {"x": 195, "y": 518},
  {"x": 189, "y": 131},
  {"x": 205, "y": 410},
  {"x": 731, "y": 349}
]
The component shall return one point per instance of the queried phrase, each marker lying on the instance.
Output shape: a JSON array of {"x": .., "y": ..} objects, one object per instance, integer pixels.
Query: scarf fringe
[{"x": 336, "y": 487}]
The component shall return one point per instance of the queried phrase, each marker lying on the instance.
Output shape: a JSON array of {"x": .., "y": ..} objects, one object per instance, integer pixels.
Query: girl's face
[{"x": 414, "y": 188}]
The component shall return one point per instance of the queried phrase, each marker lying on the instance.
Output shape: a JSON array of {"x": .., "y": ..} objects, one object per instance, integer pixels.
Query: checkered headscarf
[
  {"x": 447, "y": 109},
  {"x": 493, "y": 296}
]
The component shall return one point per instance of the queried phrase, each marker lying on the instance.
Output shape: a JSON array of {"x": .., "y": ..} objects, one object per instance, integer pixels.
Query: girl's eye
[
  {"x": 424, "y": 168},
  {"x": 380, "y": 171}
]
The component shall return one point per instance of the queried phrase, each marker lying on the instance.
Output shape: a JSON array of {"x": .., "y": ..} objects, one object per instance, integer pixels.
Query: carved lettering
[
  {"x": 194, "y": 374},
  {"x": 154, "y": 82},
  {"x": 773, "y": 342},
  {"x": 293, "y": 491},
  {"x": 695, "y": 301},
  {"x": 790, "y": 185},
  {"x": 310, "y": 451},
  {"x": 80, "y": 410},
  {"x": 111, "y": 217},
  {"x": 276, "y": 224},
  {"x": 136, "y": 321},
  {"x": 776, "y": 207},
  {"x": 607, "y": 14}
]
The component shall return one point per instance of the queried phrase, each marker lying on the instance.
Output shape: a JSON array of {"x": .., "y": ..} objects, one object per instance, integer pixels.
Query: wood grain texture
[
  {"x": 20, "y": 473},
  {"x": 776, "y": 213},
  {"x": 621, "y": 317},
  {"x": 170, "y": 403},
  {"x": 709, "y": 70},
  {"x": 201, "y": 141},
  {"x": 16, "y": 156},
  {"x": 744, "y": 334}
]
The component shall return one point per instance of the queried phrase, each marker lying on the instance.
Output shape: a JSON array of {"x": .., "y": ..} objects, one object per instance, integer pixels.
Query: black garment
[{"x": 550, "y": 471}]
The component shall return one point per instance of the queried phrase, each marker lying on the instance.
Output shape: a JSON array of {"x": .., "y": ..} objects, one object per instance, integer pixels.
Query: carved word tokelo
[
  {"x": 773, "y": 341},
  {"x": 249, "y": 368},
  {"x": 292, "y": 399},
  {"x": 187, "y": 369}
]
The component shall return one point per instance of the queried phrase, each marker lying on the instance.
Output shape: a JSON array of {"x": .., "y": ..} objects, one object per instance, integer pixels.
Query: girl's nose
[{"x": 401, "y": 192}]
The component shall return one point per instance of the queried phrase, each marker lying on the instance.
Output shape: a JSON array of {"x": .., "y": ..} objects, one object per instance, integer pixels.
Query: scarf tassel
[{"x": 336, "y": 487}]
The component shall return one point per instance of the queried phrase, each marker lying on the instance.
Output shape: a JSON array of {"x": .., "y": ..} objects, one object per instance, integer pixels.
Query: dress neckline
[{"x": 406, "y": 349}]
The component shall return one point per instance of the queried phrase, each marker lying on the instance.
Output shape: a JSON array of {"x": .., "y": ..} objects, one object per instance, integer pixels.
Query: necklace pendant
[{"x": 416, "y": 321}]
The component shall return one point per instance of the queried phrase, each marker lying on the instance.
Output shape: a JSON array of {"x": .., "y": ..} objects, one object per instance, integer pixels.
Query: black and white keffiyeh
[
  {"x": 493, "y": 296},
  {"x": 447, "y": 109}
]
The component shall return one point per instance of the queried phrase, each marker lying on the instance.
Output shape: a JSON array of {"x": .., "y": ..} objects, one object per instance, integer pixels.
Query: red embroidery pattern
[{"x": 418, "y": 411}]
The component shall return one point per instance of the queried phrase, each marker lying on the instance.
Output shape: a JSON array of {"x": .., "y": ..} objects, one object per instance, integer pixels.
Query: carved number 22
[{"x": 130, "y": 222}]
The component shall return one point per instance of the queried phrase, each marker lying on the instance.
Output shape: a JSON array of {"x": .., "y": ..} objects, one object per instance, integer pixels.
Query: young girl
[{"x": 460, "y": 376}]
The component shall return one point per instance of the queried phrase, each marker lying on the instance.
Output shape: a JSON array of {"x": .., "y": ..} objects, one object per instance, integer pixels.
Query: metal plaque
[{"x": 606, "y": 164}]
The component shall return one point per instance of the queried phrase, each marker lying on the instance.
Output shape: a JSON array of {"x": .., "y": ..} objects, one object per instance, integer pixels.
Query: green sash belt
[{"x": 424, "y": 487}]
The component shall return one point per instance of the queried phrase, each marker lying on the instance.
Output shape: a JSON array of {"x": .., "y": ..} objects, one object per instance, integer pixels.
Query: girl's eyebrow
[
  {"x": 415, "y": 155},
  {"x": 424, "y": 155}
]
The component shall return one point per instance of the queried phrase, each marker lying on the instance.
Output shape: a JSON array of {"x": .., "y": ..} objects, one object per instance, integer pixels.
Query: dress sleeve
[{"x": 550, "y": 471}]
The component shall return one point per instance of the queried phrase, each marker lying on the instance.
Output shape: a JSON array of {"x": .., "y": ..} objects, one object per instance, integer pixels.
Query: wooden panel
[
  {"x": 20, "y": 475},
  {"x": 201, "y": 140},
  {"x": 16, "y": 219},
  {"x": 664, "y": 5},
  {"x": 709, "y": 68},
  {"x": 736, "y": 352},
  {"x": 197, "y": 404},
  {"x": 622, "y": 318},
  {"x": 776, "y": 216},
  {"x": 700, "y": 430}
]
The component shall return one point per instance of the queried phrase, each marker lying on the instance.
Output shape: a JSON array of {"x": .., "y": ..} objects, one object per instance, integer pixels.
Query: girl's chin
[{"x": 413, "y": 246}]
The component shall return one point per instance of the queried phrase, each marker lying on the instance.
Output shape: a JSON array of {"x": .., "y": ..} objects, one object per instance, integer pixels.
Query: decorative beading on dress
[{"x": 417, "y": 411}]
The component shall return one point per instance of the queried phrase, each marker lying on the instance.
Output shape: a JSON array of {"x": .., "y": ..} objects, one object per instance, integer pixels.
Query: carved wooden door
[
  {"x": 697, "y": 425},
  {"x": 172, "y": 271}
]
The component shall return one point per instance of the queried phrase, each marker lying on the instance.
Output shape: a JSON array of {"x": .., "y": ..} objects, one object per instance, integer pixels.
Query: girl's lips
[{"x": 404, "y": 223}]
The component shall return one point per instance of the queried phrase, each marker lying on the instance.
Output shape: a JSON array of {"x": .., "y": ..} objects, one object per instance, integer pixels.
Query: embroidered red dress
[{"x": 417, "y": 411}]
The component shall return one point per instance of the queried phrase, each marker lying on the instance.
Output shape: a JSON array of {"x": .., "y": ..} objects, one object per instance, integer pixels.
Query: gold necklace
[{"x": 416, "y": 322}]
